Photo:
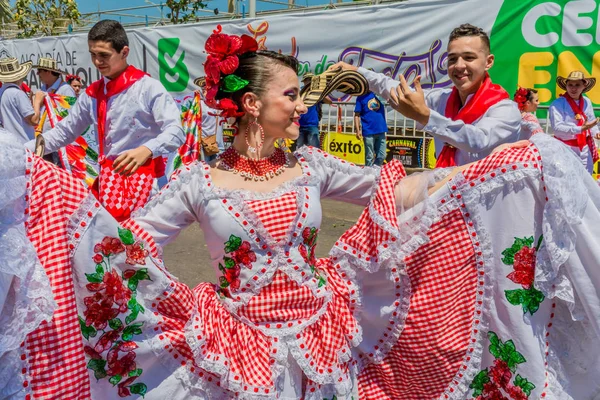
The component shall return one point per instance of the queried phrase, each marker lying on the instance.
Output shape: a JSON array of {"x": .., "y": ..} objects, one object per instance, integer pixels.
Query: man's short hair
[
  {"x": 470, "y": 30},
  {"x": 110, "y": 31}
]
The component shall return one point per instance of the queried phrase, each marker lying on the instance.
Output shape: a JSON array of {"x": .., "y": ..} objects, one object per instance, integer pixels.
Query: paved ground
[{"x": 187, "y": 257}]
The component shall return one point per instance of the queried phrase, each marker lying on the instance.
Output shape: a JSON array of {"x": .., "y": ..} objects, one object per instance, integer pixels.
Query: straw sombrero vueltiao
[
  {"x": 12, "y": 71},
  {"x": 317, "y": 87},
  {"x": 576, "y": 76},
  {"x": 49, "y": 64},
  {"x": 200, "y": 82}
]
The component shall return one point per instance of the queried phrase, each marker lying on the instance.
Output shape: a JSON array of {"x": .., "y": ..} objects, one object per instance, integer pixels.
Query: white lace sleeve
[
  {"x": 176, "y": 206},
  {"x": 26, "y": 298},
  {"x": 339, "y": 179}
]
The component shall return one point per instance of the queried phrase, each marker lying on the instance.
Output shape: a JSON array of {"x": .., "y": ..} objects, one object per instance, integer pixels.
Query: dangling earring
[{"x": 253, "y": 149}]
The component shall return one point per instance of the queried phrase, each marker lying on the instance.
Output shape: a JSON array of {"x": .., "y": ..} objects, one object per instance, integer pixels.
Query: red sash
[
  {"x": 120, "y": 195},
  {"x": 486, "y": 96},
  {"x": 584, "y": 138}
]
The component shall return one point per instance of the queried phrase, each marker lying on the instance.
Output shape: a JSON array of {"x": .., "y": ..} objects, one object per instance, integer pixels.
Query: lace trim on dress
[
  {"x": 26, "y": 299},
  {"x": 25, "y": 305},
  {"x": 567, "y": 198}
]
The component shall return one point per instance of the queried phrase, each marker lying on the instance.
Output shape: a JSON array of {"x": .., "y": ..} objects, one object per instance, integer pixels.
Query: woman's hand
[{"x": 516, "y": 145}]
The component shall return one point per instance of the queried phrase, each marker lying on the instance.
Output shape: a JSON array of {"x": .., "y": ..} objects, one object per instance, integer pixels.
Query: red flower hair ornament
[
  {"x": 521, "y": 97},
  {"x": 70, "y": 78},
  {"x": 222, "y": 61}
]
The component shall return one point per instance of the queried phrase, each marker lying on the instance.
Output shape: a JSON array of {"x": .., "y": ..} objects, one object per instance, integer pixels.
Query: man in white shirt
[
  {"x": 572, "y": 117},
  {"x": 18, "y": 115},
  {"x": 137, "y": 121},
  {"x": 52, "y": 82},
  {"x": 467, "y": 121}
]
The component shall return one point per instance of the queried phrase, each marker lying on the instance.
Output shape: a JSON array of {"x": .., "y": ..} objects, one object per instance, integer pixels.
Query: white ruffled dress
[{"x": 488, "y": 289}]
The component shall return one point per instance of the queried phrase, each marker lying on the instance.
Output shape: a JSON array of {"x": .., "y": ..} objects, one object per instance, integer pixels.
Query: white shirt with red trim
[
  {"x": 145, "y": 114},
  {"x": 500, "y": 123}
]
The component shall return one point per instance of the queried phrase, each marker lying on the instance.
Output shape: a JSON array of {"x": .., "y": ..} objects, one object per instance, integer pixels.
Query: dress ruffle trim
[
  {"x": 567, "y": 198},
  {"x": 26, "y": 299}
]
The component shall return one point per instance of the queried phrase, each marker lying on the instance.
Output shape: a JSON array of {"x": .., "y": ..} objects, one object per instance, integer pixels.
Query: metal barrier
[{"x": 339, "y": 117}]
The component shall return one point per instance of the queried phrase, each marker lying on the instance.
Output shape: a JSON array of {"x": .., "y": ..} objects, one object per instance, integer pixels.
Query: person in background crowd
[
  {"x": 528, "y": 101},
  {"x": 51, "y": 78},
  {"x": 309, "y": 125},
  {"x": 371, "y": 127},
  {"x": 572, "y": 117},
  {"x": 18, "y": 115},
  {"x": 76, "y": 83},
  {"x": 136, "y": 119},
  {"x": 468, "y": 120}
]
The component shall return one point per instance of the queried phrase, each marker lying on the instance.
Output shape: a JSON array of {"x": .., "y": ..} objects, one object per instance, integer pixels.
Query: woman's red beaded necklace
[{"x": 255, "y": 169}]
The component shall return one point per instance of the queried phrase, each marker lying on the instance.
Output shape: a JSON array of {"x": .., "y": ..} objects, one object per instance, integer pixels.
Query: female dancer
[
  {"x": 528, "y": 102},
  {"x": 468, "y": 292}
]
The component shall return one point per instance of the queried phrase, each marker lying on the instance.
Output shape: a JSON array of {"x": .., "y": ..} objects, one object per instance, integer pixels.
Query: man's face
[
  {"x": 575, "y": 88},
  {"x": 46, "y": 77},
  {"x": 109, "y": 62},
  {"x": 468, "y": 60}
]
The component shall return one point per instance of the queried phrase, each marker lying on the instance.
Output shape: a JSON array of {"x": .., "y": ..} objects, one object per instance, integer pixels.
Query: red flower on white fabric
[
  {"x": 107, "y": 340},
  {"x": 524, "y": 265},
  {"x": 120, "y": 366},
  {"x": 109, "y": 246},
  {"x": 97, "y": 258},
  {"x": 136, "y": 254},
  {"x": 116, "y": 290},
  {"x": 244, "y": 255},
  {"x": 98, "y": 313},
  {"x": 500, "y": 373},
  {"x": 232, "y": 275},
  {"x": 491, "y": 392}
]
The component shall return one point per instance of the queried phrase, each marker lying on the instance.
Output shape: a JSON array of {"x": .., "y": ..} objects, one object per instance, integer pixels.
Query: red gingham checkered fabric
[
  {"x": 499, "y": 159},
  {"x": 55, "y": 350},
  {"x": 276, "y": 214},
  {"x": 122, "y": 195},
  {"x": 430, "y": 350},
  {"x": 366, "y": 235}
]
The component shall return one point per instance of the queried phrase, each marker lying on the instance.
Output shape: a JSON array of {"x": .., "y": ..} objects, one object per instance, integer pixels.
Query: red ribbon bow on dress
[{"x": 486, "y": 96}]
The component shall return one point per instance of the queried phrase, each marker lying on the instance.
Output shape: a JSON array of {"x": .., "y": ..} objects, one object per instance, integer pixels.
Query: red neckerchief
[
  {"x": 486, "y": 96},
  {"x": 115, "y": 86},
  {"x": 585, "y": 137}
]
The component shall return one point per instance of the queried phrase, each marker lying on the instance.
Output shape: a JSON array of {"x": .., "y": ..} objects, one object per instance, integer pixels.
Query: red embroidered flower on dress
[
  {"x": 491, "y": 392},
  {"x": 243, "y": 255},
  {"x": 232, "y": 275},
  {"x": 121, "y": 366},
  {"x": 108, "y": 246},
  {"x": 98, "y": 309},
  {"x": 116, "y": 290},
  {"x": 97, "y": 258},
  {"x": 524, "y": 265},
  {"x": 136, "y": 254},
  {"x": 107, "y": 340},
  {"x": 500, "y": 373}
]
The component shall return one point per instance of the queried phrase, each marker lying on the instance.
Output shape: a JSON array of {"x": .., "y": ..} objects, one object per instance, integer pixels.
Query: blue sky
[{"x": 86, "y": 6}]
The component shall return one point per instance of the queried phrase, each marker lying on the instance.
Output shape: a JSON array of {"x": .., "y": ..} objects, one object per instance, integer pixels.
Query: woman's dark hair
[
  {"x": 110, "y": 31},
  {"x": 258, "y": 68}
]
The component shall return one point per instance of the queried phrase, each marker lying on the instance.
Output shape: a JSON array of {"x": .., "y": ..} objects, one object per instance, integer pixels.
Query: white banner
[{"x": 407, "y": 38}]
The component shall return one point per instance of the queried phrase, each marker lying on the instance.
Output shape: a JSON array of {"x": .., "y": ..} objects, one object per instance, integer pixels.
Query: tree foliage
[
  {"x": 183, "y": 11},
  {"x": 45, "y": 17},
  {"x": 5, "y": 12}
]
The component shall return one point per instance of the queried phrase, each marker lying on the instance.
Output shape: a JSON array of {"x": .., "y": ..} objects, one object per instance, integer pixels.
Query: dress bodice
[{"x": 243, "y": 252}]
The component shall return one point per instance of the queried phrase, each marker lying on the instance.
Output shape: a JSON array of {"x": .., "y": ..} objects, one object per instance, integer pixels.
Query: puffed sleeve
[
  {"x": 177, "y": 206},
  {"x": 339, "y": 179}
]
